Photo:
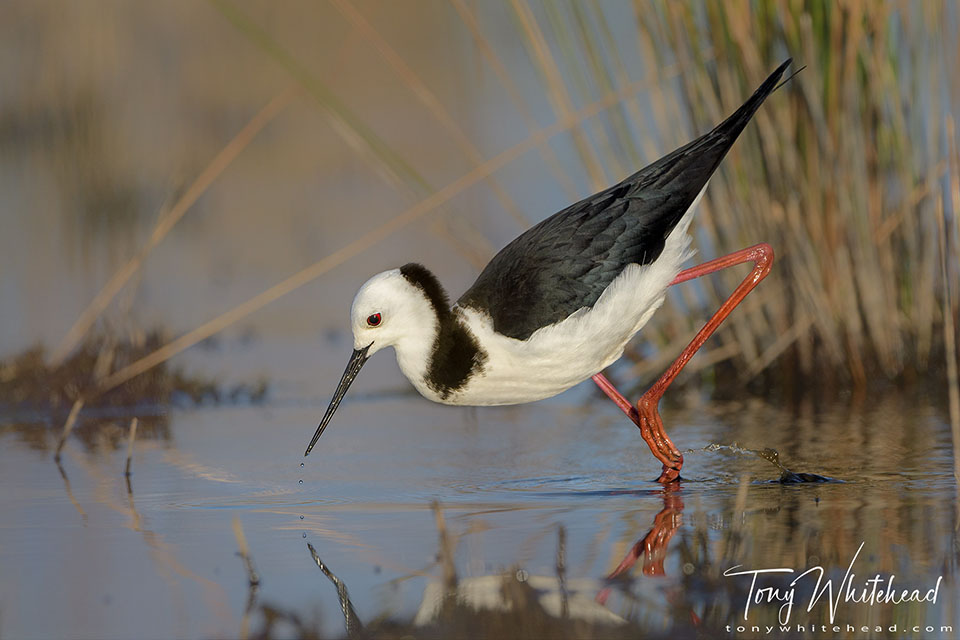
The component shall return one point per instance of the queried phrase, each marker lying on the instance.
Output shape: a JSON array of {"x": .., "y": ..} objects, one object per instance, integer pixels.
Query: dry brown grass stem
[
  {"x": 909, "y": 208},
  {"x": 500, "y": 70},
  {"x": 416, "y": 85},
  {"x": 648, "y": 366},
  {"x": 68, "y": 426},
  {"x": 949, "y": 329},
  {"x": 557, "y": 91},
  {"x": 570, "y": 54},
  {"x": 781, "y": 344},
  {"x": 167, "y": 221},
  {"x": 383, "y": 159},
  {"x": 130, "y": 441},
  {"x": 620, "y": 78},
  {"x": 362, "y": 243},
  {"x": 468, "y": 242}
]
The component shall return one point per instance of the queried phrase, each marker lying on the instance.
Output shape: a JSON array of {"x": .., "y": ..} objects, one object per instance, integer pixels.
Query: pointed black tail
[
  {"x": 732, "y": 126},
  {"x": 696, "y": 161},
  {"x": 680, "y": 176}
]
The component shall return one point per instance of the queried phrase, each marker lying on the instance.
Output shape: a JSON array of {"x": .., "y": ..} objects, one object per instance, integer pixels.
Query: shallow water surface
[{"x": 400, "y": 494}]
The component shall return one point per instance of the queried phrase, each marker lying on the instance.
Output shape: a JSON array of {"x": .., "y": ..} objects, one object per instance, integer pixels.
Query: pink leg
[{"x": 645, "y": 414}]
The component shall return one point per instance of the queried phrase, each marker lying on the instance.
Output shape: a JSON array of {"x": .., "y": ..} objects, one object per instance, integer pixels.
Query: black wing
[{"x": 565, "y": 262}]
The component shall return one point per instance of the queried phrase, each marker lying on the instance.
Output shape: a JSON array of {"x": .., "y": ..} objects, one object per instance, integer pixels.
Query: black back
[{"x": 565, "y": 262}]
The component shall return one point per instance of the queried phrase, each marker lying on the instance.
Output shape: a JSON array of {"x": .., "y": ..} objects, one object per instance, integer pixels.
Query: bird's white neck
[
  {"x": 441, "y": 356},
  {"x": 414, "y": 350}
]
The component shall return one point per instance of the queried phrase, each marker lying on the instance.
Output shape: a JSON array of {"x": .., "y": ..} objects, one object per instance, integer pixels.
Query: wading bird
[{"x": 560, "y": 302}]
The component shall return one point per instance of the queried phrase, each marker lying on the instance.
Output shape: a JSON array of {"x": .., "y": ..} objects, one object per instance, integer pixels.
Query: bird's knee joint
[{"x": 647, "y": 405}]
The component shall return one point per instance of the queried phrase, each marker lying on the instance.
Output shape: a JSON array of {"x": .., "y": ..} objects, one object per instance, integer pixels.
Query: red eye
[{"x": 373, "y": 320}]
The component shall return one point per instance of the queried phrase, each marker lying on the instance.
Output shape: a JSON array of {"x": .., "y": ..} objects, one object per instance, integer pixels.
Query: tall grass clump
[{"x": 843, "y": 173}]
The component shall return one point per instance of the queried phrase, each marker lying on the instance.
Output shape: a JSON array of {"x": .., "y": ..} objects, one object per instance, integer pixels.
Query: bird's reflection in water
[
  {"x": 519, "y": 599},
  {"x": 516, "y": 603}
]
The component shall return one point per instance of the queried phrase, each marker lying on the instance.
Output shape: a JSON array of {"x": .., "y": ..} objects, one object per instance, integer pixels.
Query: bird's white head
[
  {"x": 390, "y": 310},
  {"x": 397, "y": 308}
]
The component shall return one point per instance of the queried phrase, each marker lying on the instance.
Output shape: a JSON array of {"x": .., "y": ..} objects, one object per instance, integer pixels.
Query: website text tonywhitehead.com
[{"x": 924, "y": 630}]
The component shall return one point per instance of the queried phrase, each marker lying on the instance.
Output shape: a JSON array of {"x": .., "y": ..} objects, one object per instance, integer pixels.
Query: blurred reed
[
  {"x": 556, "y": 90},
  {"x": 949, "y": 327},
  {"x": 430, "y": 102},
  {"x": 489, "y": 53},
  {"x": 843, "y": 174}
]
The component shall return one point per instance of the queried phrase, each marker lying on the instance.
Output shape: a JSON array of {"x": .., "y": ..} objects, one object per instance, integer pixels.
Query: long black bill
[{"x": 353, "y": 368}]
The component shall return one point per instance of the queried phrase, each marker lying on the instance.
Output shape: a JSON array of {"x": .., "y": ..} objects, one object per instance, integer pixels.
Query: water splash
[{"x": 773, "y": 457}]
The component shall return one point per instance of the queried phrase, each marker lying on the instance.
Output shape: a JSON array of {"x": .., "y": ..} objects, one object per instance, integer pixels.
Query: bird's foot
[
  {"x": 670, "y": 474},
  {"x": 653, "y": 433}
]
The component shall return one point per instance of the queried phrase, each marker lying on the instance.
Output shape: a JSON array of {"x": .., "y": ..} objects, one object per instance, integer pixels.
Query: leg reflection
[{"x": 651, "y": 549}]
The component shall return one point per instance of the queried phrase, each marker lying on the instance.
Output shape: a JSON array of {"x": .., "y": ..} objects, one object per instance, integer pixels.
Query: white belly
[{"x": 551, "y": 361}]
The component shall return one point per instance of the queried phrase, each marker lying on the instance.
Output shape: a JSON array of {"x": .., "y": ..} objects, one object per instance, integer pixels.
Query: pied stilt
[{"x": 559, "y": 303}]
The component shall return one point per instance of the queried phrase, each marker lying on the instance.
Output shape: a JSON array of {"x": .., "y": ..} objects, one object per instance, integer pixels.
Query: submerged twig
[
  {"x": 73, "y": 500},
  {"x": 135, "y": 518},
  {"x": 562, "y": 571},
  {"x": 133, "y": 436},
  {"x": 68, "y": 427},
  {"x": 350, "y": 618},
  {"x": 244, "y": 552},
  {"x": 446, "y": 550},
  {"x": 740, "y": 505}
]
